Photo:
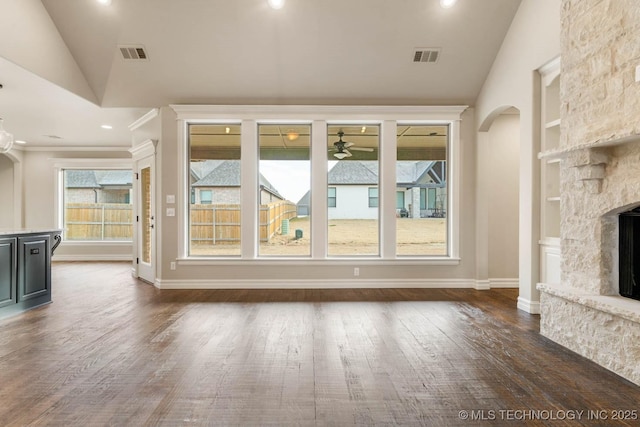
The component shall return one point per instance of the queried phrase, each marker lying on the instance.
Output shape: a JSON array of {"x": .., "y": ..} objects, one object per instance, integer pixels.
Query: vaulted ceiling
[{"x": 64, "y": 74}]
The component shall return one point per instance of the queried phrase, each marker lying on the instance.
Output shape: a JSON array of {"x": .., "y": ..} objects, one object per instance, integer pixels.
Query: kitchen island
[{"x": 25, "y": 268}]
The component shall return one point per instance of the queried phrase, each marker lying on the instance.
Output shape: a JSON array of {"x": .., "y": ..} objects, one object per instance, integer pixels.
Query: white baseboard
[
  {"x": 483, "y": 285},
  {"x": 315, "y": 284},
  {"x": 486, "y": 284},
  {"x": 504, "y": 283},
  {"x": 91, "y": 258},
  {"x": 531, "y": 307}
]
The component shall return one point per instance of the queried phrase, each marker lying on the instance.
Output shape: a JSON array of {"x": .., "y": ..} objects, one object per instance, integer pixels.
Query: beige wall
[
  {"x": 39, "y": 192},
  {"x": 533, "y": 40},
  {"x": 503, "y": 169},
  {"x": 168, "y": 181},
  {"x": 6, "y": 192}
]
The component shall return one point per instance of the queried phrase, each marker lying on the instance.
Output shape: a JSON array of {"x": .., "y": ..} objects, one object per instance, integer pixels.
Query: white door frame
[{"x": 144, "y": 156}]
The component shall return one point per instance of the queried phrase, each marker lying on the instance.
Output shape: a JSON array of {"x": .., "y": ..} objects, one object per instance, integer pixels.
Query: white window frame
[
  {"x": 320, "y": 117},
  {"x": 59, "y": 166}
]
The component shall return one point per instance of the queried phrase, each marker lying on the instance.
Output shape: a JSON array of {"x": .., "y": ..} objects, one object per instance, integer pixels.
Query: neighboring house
[
  {"x": 353, "y": 190},
  {"x": 421, "y": 188},
  {"x": 218, "y": 182},
  {"x": 97, "y": 186}
]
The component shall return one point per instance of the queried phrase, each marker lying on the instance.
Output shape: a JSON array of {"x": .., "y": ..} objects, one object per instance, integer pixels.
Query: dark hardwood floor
[{"x": 111, "y": 350}]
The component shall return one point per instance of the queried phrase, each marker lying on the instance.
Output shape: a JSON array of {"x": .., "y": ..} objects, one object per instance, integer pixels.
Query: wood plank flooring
[{"x": 111, "y": 350}]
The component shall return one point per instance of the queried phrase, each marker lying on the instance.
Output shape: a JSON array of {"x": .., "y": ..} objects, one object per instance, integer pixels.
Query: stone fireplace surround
[{"x": 584, "y": 312}]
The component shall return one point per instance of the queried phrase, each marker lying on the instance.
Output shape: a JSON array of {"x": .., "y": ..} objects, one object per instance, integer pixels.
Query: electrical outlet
[
  {"x": 356, "y": 271},
  {"x": 172, "y": 266}
]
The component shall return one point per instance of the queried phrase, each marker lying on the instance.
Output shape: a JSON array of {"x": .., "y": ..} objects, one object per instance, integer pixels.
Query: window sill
[{"x": 318, "y": 262}]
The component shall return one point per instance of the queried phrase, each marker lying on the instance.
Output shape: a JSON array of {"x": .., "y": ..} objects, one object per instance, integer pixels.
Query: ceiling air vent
[
  {"x": 133, "y": 53},
  {"x": 426, "y": 55}
]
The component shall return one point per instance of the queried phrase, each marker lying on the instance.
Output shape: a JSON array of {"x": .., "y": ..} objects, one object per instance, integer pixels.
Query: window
[
  {"x": 96, "y": 204},
  {"x": 353, "y": 173},
  {"x": 284, "y": 211},
  {"x": 408, "y": 195},
  {"x": 206, "y": 197},
  {"x": 399, "y": 199},
  {"x": 214, "y": 176},
  {"x": 373, "y": 197},
  {"x": 421, "y": 170},
  {"x": 331, "y": 191}
]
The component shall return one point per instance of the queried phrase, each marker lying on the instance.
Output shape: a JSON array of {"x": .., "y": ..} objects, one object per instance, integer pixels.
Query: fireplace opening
[{"x": 629, "y": 253}]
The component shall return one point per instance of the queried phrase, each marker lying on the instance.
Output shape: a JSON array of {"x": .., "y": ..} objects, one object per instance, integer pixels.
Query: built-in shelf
[
  {"x": 559, "y": 153},
  {"x": 552, "y": 124},
  {"x": 550, "y": 254}
]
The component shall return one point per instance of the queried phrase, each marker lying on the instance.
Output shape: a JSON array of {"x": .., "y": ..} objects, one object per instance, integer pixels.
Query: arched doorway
[{"x": 498, "y": 192}]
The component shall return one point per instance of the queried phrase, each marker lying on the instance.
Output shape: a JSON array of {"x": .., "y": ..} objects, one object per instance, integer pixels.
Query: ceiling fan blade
[
  {"x": 347, "y": 152},
  {"x": 370, "y": 150},
  {"x": 348, "y": 144}
]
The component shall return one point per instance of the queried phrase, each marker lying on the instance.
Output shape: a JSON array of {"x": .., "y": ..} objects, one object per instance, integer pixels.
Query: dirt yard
[{"x": 423, "y": 236}]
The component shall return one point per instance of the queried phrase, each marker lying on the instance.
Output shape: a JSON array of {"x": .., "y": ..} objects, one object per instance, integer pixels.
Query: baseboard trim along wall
[
  {"x": 531, "y": 307},
  {"x": 324, "y": 284},
  {"x": 88, "y": 258}
]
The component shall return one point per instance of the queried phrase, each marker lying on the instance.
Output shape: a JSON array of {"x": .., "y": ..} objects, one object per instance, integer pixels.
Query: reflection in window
[
  {"x": 421, "y": 179},
  {"x": 214, "y": 182},
  {"x": 353, "y": 179},
  {"x": 284, "y": 190},
  {"x": 97, "y": 204}
]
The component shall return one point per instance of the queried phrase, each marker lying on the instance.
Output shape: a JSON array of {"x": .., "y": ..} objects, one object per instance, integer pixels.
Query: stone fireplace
[
  {"x": 599, "y": 180},
  {"x": 585, "y": 312}
]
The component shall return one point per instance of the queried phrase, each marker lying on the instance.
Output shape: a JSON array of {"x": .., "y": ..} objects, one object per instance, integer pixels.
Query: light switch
[
  {"x": 171, "y": 212},
  {"x": 171, "y": 198}
]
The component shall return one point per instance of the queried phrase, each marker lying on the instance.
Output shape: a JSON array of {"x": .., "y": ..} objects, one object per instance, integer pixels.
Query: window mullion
[
  {"x": 387, "y": 202},
  {"x": 319, "y": 216},
  {"x": 249, "y": 194}
]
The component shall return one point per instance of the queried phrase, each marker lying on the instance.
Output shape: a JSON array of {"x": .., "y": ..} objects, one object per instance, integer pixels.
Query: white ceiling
[{"x": 233, "y": 52}]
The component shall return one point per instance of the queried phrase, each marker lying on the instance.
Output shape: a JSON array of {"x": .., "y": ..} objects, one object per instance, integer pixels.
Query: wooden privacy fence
[
  {"x": 218, "y": 223},
  {"x": 210, "y": 224},
  {"x": 98, "y": 221}
]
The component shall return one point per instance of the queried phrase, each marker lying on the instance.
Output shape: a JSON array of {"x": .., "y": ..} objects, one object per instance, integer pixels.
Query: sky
[{"x": 290, "y": 177}]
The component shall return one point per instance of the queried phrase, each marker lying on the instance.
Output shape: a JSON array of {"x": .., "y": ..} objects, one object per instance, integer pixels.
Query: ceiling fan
[{"x": 340, "y": 147}]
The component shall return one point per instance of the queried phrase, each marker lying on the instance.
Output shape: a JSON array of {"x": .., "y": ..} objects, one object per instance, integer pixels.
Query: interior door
[{"x": 146, "y": 258}]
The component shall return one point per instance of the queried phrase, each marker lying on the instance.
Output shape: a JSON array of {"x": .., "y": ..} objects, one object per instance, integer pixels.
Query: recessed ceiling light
[
  {"x": 106, "y": 127},
  {"x": 276, "y": 4},
  {"x": 104, "y": 2},
  {"x": 19, "y": 141},
  {"x": 447, "y": 3}
]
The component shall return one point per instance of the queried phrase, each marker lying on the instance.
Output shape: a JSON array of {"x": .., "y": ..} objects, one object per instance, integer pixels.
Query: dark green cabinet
[
  {"x": 25, "y": 270},
  {"x": 8, "y": 278}
]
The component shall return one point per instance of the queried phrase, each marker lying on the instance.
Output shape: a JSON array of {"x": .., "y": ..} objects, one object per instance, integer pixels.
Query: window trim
[
  {"x": 389, "y": 117},
  {"x": 61, "y": 164}
]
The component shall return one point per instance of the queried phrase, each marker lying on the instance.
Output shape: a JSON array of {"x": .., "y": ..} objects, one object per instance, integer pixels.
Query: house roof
[
  {"x": 353, "y": 172},
  {"x": 83, "y": 178},
  {"x": 226, "y": 173},
  {"x": 366, "y": 172},
  {"x": 408, "y": 173}
]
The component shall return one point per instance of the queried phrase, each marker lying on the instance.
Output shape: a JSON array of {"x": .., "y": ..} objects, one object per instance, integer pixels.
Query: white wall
[
  {"x": 6, "y": 192},
  {"x": 503, "y": 171},
  {"x": 533, "y": 40},
  {"x": 352, "y": 202}
]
